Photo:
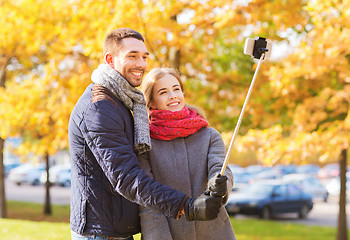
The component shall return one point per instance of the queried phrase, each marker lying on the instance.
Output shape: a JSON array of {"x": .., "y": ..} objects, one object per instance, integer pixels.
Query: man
[{"x": 107, "y": 128}]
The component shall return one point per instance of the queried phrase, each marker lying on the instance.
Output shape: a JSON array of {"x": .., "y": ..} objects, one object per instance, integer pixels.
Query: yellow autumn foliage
[{"x": 299, "y": 110}]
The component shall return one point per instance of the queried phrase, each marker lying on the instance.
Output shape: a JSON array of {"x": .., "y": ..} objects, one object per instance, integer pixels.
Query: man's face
[{"x": 131, "y": 60}]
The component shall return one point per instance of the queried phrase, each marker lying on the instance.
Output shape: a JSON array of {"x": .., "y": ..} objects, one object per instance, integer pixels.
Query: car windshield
[{"x": 259, "y": 189}]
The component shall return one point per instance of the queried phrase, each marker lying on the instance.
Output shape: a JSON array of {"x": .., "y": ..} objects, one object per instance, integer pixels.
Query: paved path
[{"x": 59, "y": 195}]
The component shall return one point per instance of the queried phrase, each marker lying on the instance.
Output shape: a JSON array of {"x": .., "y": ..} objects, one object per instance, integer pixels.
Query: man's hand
[
  {"x": 202, "y": 208},
  {"x": 217, "y": 186}
]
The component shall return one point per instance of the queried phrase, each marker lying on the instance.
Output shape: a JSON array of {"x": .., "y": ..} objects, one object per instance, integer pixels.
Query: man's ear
[{"x": 109, "y": 59}]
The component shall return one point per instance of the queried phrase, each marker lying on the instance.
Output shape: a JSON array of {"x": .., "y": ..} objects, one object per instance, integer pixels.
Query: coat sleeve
[
  {"x": 154, "y": 225},
  {"x": 103, "y": 129},
  {"x": 216, "y": 158}
]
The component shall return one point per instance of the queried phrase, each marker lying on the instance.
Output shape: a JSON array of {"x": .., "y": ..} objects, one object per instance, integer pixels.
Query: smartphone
[{"x": 255, "y": 47}]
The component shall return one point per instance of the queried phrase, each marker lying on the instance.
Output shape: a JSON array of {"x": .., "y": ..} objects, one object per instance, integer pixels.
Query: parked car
[
  {"x": 269, "y": 198},
  {"x": 285, "y": 169},
  {"x": 255, "y": 169},
  {"x": 241, "y": 180},
  {"x": 268, "y": 173},
  {"x": 308, "y": 168},
  {"x": 333, "y": 186},
  {"x": 59, "y": 175},
  {"x": 310, "y": 184},
  {"x": 8, "y": 167},
  {"x": 329, "y": 171},
  {"x": 27, "y": 173}
]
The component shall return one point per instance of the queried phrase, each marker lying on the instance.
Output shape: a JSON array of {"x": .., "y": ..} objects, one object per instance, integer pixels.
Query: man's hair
[{"x": 112, "y": 42}]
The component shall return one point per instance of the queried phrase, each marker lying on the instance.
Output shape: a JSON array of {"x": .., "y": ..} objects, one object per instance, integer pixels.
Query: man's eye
[{"x": 132, "y": 56}]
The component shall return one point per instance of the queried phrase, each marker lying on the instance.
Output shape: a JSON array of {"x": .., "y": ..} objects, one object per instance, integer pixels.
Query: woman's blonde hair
[{"x": 153, "y": 76}]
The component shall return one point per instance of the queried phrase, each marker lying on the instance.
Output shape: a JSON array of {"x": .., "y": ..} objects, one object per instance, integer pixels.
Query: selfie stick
[{"x": 262, "y": 51}]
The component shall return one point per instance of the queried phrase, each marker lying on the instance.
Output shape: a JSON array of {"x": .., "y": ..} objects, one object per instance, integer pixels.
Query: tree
[
  {"x": 31, "y": 40},
  {"x": 312, "y": 86},
  {"x": 39, "y": 112},
  {"x": 3, "y": 213},
  {"x": 14, "y": 48}
]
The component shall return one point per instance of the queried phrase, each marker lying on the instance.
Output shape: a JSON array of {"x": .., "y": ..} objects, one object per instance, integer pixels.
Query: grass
[
  {"x": 256, "y": 229},
  {"x": 28, "y": 230},
  {"x": 34, "y": 212},
  {"x": 26, "y": 221}
]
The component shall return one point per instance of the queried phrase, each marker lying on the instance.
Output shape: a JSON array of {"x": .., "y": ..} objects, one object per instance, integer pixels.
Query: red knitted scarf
[{"x": 168, "y": 125}]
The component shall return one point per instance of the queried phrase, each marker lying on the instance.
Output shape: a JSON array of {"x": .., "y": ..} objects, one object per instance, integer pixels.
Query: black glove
[
  {"x": 202, "y": 208},
  {"x": 217, "y": 186}
]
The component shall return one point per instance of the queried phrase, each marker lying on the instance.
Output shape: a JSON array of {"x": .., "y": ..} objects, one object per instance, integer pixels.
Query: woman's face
[{"x": 167, "y": 94}]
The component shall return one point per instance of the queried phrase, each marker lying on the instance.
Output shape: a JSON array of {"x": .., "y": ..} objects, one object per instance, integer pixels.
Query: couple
[{"x": 118, "y": 180}]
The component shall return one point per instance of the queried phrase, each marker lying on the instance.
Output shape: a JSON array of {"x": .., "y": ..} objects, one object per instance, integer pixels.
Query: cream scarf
[{"x": 132, "y": 98}]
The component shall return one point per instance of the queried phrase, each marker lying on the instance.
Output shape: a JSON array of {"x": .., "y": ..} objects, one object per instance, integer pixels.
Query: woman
[{"x": 185, "y": 154}]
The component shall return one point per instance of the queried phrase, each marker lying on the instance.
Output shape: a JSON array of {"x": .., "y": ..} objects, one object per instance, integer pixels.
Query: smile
[
  {"x": 173, "y": 104},
  {"x": 137, "y": 74}
]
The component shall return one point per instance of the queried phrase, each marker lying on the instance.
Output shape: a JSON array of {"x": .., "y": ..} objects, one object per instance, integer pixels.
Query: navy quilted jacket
[{"x": 107, "y": 182}]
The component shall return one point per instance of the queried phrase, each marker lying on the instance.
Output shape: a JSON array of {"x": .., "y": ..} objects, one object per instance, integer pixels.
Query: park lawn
[
  {"x": 30, "y": 230},
  {"x": 26, "y": 222},
  {"x": 34, "y": 212},
  {"x": 256, "y": 229},
  {"x": 246, "y": 229}
]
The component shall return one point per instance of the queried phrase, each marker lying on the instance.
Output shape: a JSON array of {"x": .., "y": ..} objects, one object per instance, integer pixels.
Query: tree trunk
[
  {"x": 3, "y": 213},
  {"x": 174, "y": 57},
  {"x": 174, "y": 53},
  {"x": 342, "y": 232},
  {"x": 47, "y": 205}
]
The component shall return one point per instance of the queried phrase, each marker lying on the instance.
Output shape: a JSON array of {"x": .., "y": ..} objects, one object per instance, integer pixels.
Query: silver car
[
  {"x": 59, "y": 175},
  {"x": 310, "y": 184},
  {"x": 27, "y": 173}
]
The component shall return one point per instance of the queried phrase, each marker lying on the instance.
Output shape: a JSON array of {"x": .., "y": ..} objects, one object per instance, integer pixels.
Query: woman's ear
[
  {"x": 152, "y": 106},
  {"x": 109, "y": 59}
]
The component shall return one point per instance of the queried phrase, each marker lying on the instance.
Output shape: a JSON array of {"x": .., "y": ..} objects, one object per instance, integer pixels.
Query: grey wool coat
[{"x": 186, "y": 164}]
